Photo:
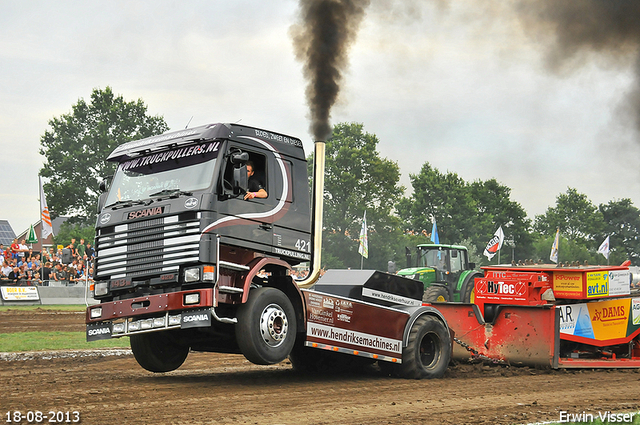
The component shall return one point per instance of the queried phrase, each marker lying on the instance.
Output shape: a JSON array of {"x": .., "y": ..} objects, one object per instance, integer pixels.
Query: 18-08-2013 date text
[{"x": 38, "y": 417}]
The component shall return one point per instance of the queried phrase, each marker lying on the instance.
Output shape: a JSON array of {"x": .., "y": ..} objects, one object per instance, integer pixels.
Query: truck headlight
[
  {"x": 190, "y": 299},
  {"x": 192, "y": 275},
  {"x": 101, "y": 288},
  {"x": 96, "y": 312}
]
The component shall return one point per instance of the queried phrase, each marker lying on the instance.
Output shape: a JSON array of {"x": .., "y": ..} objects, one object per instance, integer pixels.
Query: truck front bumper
[{"x": 175, "y": 310}]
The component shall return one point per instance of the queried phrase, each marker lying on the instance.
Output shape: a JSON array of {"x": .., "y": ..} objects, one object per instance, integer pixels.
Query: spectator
[
  {"x": 90, "y": 274},
  {"x": 28, "y": 278},
  {"x": 36, "y": 281},
  {"x": 23, "y": 249},
  {"x": 72, "y": 247},
  {"x": 78, "y": 274},
  {"x": 17, "y": 276},
  {"x": 1, "y": 253},
  {"x": 6, "y": 268},
  {"x": 81, "y": 249},
  {"x": 89, "y": 252},
  {"x": 45, "y": 273},
  {"x": 15, "y": 248},
  {"x": 60, "y": 275}
]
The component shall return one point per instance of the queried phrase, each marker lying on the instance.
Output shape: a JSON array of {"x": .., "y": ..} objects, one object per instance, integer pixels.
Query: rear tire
[
  {"x": 158, "y": 351},
  {"x": 435, "y": 293},
  {"x": 468, "y": 294},
  {"x": 266, "y": 328},
  {"x": 428, "y": 352}
]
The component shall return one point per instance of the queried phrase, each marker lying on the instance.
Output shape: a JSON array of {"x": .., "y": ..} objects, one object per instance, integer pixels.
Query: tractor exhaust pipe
[{"x": 316, "y": 211}]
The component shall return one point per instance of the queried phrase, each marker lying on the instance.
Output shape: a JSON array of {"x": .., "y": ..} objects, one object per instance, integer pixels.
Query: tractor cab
[{"x": 444, "y": 270}]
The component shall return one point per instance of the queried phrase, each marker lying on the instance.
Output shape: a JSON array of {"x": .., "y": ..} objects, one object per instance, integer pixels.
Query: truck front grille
[{"x": 148, "y": 247}]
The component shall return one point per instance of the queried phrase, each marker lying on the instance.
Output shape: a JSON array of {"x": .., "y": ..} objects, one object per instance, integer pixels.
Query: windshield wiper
[
  {"x": 126, "y": 203},
  {"x": 171, "y": 193}
]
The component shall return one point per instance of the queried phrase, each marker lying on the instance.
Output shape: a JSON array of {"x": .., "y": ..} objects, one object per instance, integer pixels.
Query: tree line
[{"x": 357, "y": 179}]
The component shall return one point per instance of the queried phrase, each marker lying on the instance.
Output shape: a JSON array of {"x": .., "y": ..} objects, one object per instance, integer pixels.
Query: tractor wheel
[
  {"x": 266, "y": 328},
  {"x": 436, "y": 293},
  {"x": 158, "y": 351},
  {"x": 429, "y": 350},
  {"x": 468, "y": 293}
]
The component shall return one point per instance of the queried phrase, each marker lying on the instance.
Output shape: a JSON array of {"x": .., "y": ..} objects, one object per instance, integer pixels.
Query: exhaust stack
[{"x": 316, "y": 221}]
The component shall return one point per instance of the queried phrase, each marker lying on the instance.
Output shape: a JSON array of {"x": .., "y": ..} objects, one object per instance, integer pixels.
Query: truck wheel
[
  {"x": 266, "y": 328},
  {"x": 429, "y": 350},
  {"x": 436, "y": 293},
  {"x": 158, "y": 351}
]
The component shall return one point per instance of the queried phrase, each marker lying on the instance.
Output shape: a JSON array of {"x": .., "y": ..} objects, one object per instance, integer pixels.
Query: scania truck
[{"x": 186, "y": 261}]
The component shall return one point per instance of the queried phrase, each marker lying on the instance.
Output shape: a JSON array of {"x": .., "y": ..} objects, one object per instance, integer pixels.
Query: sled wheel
[
  {"x": 158, "y": 351},
  {"x": 436, "y": 293},
  {"x": 266, "y": 328},
  {"x": 428, "y": 352}
]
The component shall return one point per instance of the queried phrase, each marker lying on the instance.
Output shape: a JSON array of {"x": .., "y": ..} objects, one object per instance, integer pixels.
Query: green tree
[
  {"x": 445, "y": 198},
  {"x": 622, "y": 224},
  {"x": 495, "y": 208},
  {"x": 69, "y": 230},
  {"x": 576, "y": 217},
  {"x": 76, "y": 146},
  {"x": 358, "y": 180},
  {"x": 463, "y": 212}
]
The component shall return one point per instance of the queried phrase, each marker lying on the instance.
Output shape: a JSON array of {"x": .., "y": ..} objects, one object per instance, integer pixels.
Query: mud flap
[
  {"x": 98, "y": 331},
  {"x": 518, "y": 335}
]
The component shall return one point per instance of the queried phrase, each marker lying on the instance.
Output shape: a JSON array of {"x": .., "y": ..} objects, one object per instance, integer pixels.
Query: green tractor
[{"x": 444, "y": 270}]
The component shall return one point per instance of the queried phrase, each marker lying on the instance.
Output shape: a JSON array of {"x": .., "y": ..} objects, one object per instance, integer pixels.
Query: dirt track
[{"x": 221, "y": 388}]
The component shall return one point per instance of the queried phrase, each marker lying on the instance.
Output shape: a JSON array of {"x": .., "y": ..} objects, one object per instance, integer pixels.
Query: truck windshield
[{"x": 185, "y": 169}]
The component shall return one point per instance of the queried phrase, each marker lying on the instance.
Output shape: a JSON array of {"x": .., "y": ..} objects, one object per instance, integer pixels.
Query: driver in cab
[{"x": 256, "y": 187}]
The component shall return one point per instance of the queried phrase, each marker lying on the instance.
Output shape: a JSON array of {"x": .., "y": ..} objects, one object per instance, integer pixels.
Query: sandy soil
[{"x": 108, "y": 387}]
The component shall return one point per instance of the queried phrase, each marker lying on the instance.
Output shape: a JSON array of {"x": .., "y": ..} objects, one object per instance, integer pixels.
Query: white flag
[
  {"x": 364, "y": 244},
  {"x": 47, "y": 228},
  {"x": 554, "y": 248},
  {"x": 494, "y": 244},
  {"x": 604, "y": 248}
]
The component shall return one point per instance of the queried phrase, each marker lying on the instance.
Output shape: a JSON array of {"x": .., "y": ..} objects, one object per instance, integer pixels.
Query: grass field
[
  {"x": 45, "y": 341},
  {"x": 60, "y": 307}
]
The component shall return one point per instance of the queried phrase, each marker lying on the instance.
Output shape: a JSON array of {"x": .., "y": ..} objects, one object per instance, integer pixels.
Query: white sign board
[{"x": 20, "y": 293}]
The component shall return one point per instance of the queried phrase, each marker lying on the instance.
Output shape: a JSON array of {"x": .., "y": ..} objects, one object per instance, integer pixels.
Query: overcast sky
[{"x": 461, "y": 87}]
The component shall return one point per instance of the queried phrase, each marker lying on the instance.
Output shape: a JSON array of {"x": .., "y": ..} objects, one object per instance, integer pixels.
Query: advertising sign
[
  {"x": 567, "y": 284},
  {"x": 619, "y": 282},
  {"x": 20, "y": 293},
  {"x": 353, "y": 325},
  {"x": 600, "y": 321},
  {"x": 598, "y": 284}
]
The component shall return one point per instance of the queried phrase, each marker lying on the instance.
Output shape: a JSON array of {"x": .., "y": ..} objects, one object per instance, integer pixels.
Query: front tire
[
  {"x": 266, "y": 328},
  {"x": 158, "y": 351},
  {"x": 428, "y": 352},
  {"x": 436, "y": 293}
]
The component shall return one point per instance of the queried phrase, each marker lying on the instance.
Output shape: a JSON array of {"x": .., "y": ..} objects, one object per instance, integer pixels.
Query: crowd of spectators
[{"x": 70, "y": 265}]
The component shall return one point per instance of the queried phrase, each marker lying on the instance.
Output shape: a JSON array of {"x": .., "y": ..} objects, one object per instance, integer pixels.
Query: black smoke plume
[
  {"x": 321, "y": 39},
  {"x": 587, "y": 29}
]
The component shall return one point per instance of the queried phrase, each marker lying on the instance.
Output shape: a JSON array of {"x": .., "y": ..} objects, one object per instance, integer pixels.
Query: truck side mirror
[
  {"x": 102, "y": 199},
  {"x": 240, "y": 180},
  {"x": 239, "y": 158}
]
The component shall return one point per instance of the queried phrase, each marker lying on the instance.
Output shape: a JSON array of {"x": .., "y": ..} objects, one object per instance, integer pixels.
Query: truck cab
[{"x": 178, "y": 244}]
